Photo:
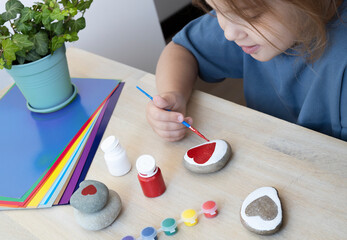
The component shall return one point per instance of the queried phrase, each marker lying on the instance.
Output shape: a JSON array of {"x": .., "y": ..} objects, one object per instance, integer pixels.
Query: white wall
[
  {"x": 127, "y": 31},
  {"x": 124, "y": 30}
]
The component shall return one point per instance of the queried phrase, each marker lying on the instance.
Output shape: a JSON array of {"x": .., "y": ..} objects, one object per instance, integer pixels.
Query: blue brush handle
[{"x": 150, "y": 97}]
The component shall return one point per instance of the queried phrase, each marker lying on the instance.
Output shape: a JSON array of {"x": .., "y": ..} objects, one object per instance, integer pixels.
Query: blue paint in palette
[{"x": 149, "y": 233}]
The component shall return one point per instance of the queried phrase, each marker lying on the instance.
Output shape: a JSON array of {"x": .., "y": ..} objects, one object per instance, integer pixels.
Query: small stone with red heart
[
  {"x": 207, "y": 157},
  {"x": 96, "y": 207},
  {"x": 91, "y": 196}
]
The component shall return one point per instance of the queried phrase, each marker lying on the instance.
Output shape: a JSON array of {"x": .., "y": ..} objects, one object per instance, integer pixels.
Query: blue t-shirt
[{"x": 287, "y": 87}]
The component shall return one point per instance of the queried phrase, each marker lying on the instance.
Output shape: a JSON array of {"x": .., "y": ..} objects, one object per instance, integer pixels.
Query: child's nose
[{"x": 233, "y": 32}]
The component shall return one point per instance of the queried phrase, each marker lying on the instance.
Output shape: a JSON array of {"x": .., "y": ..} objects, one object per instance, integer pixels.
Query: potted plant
[{"x": 32, "y": 49}]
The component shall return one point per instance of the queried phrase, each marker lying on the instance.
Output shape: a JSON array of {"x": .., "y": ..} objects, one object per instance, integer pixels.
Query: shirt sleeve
[{"x": 217, "y": 57}]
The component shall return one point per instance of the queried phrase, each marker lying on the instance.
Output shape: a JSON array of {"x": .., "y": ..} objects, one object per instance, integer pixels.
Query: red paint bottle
[{"x": 149, "y": 175}]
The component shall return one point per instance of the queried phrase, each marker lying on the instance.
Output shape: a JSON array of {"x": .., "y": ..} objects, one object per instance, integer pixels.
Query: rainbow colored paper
[{"x": 43, "y": 157}]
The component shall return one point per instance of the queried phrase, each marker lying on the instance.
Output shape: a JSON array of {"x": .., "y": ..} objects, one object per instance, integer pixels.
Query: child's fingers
[
  {"x": 164, "y": 103},
  {"x": 189, "y": 120},
  {"x": 171, "y": 136},
  {"x": 168, "y": 126},
  {"x": 159, "y": 114}
]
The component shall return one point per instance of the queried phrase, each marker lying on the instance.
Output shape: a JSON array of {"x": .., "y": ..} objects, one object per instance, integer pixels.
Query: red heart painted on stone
[
  {"x": 202, "y": 153},
  {"x": 89, "y": 190}
]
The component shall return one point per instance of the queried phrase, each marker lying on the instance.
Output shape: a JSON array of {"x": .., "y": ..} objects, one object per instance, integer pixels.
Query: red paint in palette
[
  {"x": 89, "y": 190},
  {"x": 202, "y": 153}
]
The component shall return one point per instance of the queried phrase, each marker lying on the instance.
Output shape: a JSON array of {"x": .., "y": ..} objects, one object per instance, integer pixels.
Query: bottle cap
[
  {"x": 109, "y": 144},
  {"x": 145, "y": 164}
]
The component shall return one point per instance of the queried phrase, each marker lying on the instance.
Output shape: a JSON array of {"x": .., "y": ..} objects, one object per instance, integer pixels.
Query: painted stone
[
  {"x": 103, "y": 218},
  {"x": 261, "y": 211},
  {"x": 90, "y": 197},
  {"x": 207, "y": 157}
]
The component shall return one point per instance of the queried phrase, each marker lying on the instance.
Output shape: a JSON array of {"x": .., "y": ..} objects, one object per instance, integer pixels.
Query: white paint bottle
[{"x": 115, "y": 156}]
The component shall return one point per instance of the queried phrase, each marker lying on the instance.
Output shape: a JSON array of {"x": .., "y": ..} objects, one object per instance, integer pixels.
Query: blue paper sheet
[{"x": 31, "y": 142}]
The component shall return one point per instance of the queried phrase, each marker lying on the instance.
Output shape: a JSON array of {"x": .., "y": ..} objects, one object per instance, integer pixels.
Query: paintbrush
[{"x": 184, "y": 122}]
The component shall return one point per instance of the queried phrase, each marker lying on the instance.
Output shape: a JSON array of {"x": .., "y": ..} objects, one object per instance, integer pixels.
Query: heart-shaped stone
[
  {"x": 202, "y": 153},
  {"x": 89, "y": 190},
  {"x": 263, "y": 207},
  {"x": 261, "y": 211}
]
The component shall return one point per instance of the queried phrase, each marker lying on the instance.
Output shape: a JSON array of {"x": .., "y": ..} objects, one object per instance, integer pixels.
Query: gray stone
[
  {"x": 90, "y": 197},
  {"x": 261, "y": 211},
  {"x": 200, "y": 160},
  {"x": 103, "y": 218}
]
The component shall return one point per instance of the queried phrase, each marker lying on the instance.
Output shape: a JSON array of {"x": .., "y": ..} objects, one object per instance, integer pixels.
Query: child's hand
[{"x": 168, "y": 124}]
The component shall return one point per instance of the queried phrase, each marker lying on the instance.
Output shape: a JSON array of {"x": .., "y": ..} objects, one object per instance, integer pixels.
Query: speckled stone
[
  {"x": 90, "y": 197},
  {"x": 261, "y": 211},
  {"x": 208, "y": 157},
  {"x": 104, "y": 217}
]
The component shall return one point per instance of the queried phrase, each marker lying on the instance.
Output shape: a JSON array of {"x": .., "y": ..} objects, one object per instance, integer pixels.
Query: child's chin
[{"x": 263, "y": 58}]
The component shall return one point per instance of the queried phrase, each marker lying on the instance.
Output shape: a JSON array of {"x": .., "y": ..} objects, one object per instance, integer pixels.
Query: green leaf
[
  {"x": 2, "y": 63},
  {"x": 57, "y": 27},
  {"x": 71, "y": 37},
  {"x": 64, "y": 2},
  {"x": 22, "y": 41},
  {"x": 83, "y": 5},
  {"x": 32, "y": 56},
  {"x": 73, "y": 11},
  {"x": 2, "y": 21},
  {"x": 24, "y": 27},
  {"x": 46, "y": 19},
  {"x": 20, "y": 59},
  {"x": 57, "y": 15},
  {"x": 10, "y": 49},
  {"x": 13, "y": 7},
  {"x": 41, "y": 43},
  {"x": 57, "y": 42},
  {"x": 38, "y": 17},
  {"x": 51, "y": 4},
  {"x": 67, "y": 4},
  {"x": 26, "y": 14},
  {"x": 21, "y": 53},
  {"x": 4, "y": 31},
  {"x": 77, "y": 25}
]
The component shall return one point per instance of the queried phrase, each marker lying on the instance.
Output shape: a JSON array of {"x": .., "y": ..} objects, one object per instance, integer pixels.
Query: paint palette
[
  {"x": 170, "y": 226},
  {"x": 207, "y": 157}
]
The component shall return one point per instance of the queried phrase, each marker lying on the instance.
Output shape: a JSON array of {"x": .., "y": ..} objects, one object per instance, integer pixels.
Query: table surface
[{"x": 308, "y": 169}]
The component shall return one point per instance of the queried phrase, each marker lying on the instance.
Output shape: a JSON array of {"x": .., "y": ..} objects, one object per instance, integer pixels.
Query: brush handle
[{"x": 143, "y": 91}]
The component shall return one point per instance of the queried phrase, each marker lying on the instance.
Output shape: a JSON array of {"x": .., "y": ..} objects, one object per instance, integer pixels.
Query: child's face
[{"x": 249, "y": 39}]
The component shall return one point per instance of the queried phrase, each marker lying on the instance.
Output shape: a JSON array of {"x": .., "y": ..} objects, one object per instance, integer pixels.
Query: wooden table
[{"x": 308, "y": 169}]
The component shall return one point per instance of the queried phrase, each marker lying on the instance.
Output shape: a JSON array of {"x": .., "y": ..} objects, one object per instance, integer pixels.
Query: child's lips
[{"x": 250, "y": 49}]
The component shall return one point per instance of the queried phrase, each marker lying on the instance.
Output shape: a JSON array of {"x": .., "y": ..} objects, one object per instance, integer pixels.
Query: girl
[{"x": 292, "y": 56}]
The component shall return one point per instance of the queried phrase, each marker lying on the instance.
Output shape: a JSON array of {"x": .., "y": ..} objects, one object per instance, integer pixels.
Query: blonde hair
[{"x": 309, "y": 22}]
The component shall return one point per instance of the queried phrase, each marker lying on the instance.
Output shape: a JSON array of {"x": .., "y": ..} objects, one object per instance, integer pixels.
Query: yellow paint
[
  {"x": 50, "y": 181},
  {"x": 189, "y": 217}
]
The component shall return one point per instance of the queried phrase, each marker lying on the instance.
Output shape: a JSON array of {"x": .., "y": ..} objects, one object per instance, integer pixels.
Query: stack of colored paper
[{"x": 44, "y": 157}]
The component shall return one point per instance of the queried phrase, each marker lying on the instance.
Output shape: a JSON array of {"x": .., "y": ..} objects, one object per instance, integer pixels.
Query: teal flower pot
[{"x": 46, "y": 83}]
